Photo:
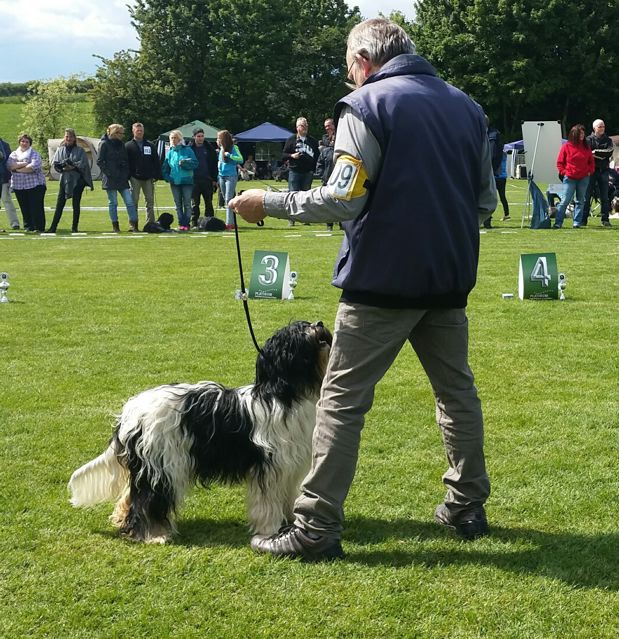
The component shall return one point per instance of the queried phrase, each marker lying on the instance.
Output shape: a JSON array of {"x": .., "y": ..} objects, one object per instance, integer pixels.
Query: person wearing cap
[
  {"x": 144, "y": 169},
  {"x": 602, "y": 148},
  {"x": 204, "y": 176}
]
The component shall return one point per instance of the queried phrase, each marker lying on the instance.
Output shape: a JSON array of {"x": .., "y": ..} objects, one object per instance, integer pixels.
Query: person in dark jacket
[
  {"x": 324, "y": 166},
  {"x": 204, "y": 176},
  {"x": 496, "y": 155},
  {"x": 144, "y": 169},
  {"x": 71, "y": 162},
  {"x": 301, "y": 153},
  {"x": 406, "y": 267},
  {"x": 114, "y": 164},
  {"x": 602, "y": 147}
]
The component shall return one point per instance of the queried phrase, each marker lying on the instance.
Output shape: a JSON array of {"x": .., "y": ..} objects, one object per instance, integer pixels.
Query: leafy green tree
[
  {"x": 49, "y": 107},
  {"x": 233, "y": 64},
  {"x": 525, "y": 59}
]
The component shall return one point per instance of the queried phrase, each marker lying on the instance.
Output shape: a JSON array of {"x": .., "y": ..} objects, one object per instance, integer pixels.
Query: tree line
[{"x": 236, "y": 64}]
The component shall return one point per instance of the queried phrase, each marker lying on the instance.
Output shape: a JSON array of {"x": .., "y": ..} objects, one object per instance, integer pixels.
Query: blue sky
[{"x": 46, "y": 39}]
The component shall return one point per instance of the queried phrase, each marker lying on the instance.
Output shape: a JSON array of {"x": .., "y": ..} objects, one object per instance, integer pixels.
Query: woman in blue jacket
[
  {"x": 177, "y": 169},
  {"x": 228, "y": 160}
]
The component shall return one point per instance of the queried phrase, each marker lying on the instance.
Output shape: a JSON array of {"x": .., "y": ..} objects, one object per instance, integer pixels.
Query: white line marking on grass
[{"x": 294, "y": 235}]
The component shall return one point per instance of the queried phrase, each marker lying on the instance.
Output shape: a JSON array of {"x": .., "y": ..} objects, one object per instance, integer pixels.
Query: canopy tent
[
  {"x": 210, "y": 132},
  {"x": 518, "y": 145},
  {"x": 265, "y": 132}
]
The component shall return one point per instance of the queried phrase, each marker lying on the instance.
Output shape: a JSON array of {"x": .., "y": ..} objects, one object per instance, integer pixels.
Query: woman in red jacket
[{"x": 575, "y": 164}]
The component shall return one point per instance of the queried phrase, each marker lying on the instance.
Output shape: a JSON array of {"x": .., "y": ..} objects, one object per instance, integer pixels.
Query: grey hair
[
  {"x": 596, "y": 122},
  {"x": 379, "y": 40},
  {"x": 70, "y": 132}
]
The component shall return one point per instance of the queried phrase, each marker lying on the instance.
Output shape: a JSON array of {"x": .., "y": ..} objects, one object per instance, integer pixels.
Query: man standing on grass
[
  {"x": 406, "y": 267},
  {"x": 301, "y": 153},
  {"x": 602, "y": 148},
  {"x": 144, "y": 168},
  {"x": 204, "y": 177}
]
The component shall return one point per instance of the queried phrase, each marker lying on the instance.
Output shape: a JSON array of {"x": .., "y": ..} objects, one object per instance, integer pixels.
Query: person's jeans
[
  {"x": 182, "y": 200},
  {"x": 573, "y": 186},
  {"x": 112, "y": 203},
  {"x": 300, "y": 181},
  {"x": 148, "y": 186},
  {"x": 366, "y": 341},
  {"x": 599, "y": 178},
  {"x": 227, "y": 184}
]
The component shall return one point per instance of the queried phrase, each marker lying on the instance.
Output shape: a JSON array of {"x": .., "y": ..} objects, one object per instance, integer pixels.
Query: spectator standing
[
  {"x": 144, "y": 169},
  {"x": 114, "y": 164},
  {"x": 406, "y": 267},
  {"x": 28, "y": 183},
  {"x": 301, "y": 153},
  {"x": 204, "y": 176},
  {"x": 324, "y": 166},
  {"x": 602, "y": 147},
  {"x": 71, "y": 162},
  {"x": 575, "y": 164},
  {"x": 5, "y": 187},
  {"x": 177, "y": 169},
  {"x": 228, "y": 160},
  {"x": 496, "y": 153},
  {"x": 500, "y": 179}
]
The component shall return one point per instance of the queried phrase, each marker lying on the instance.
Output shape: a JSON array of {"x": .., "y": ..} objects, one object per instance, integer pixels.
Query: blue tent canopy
[
  {"x": 265, "y": 132},
  {"x": 518, "y": 145}
]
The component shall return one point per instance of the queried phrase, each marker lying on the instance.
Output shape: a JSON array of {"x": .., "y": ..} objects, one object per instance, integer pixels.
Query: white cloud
[
  {"x": 69, "y": 22},
  {"x": 59, "y": 37}
]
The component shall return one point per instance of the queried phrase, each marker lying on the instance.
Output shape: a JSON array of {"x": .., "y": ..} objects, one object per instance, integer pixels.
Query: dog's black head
[{"x": 293, "y": 362}]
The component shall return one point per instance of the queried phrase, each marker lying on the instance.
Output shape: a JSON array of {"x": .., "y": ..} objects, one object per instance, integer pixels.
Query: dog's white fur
[{"x": 151, "y": 454}]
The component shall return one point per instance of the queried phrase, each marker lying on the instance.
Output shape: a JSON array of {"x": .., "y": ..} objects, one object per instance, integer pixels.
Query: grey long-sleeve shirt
[{"x": 354, "y": 138}]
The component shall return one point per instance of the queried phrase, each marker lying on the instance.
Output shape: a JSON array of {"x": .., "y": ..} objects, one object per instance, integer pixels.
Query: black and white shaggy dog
[{"x": 169, "y": 437}]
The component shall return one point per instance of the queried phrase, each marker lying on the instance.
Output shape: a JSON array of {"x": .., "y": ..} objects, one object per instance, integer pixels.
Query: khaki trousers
[
  {"x": 7, "y": 203},
  {"x": 366, "y": 342},
  {"x": 148, "y": 186}
]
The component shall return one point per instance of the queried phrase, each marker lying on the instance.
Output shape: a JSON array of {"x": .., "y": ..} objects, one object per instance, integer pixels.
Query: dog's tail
[{"x": 102, "y": 479}]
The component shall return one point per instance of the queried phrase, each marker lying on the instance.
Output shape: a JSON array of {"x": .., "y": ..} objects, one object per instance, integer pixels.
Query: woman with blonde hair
[
  {"x": 114, "y": 163},
  {"x": 229, "y": 158},
  {"x": 177, "y": 169}
]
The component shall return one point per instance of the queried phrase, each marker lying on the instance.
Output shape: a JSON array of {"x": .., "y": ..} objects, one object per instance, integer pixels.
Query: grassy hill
[{"x": 79, "y": 116}]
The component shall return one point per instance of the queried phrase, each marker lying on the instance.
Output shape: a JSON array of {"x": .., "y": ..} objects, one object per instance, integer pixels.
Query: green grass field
[
  {"x": 94, "y": 319},
  {"x": 80, "y": 118}
]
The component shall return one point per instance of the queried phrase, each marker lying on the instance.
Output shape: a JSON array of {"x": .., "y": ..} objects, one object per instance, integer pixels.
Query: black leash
[{"x": 243, "y": 291}]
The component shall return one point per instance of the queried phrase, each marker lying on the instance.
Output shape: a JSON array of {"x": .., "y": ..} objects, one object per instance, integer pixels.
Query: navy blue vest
[{"x": 417, "y": 242}]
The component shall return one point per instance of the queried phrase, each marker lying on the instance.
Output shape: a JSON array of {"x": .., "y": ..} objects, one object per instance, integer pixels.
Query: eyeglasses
[{"x": 352, "y": 64}]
